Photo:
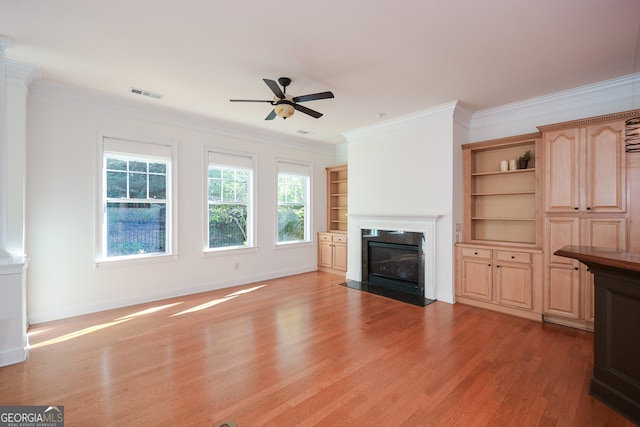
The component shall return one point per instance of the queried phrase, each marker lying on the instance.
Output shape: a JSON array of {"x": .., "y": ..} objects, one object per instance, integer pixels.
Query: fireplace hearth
[{"x": 393, "y": 265}]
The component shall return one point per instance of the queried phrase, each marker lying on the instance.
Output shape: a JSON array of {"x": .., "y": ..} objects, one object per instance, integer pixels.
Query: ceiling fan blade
[
  {"x": 274, "y": 88},
  {"x": 308, "y": 111},
  {"x": 271, "y": 116},
  {"x": 250, "y": 100},
  {"x": 313, "y": 97}
]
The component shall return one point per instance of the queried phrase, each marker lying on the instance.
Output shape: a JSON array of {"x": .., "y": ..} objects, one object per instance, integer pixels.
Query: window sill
[
  {"x": 232, "y": 250},
  {"x": 127, "y": 261},
  {"x": 293, "y": 245}
]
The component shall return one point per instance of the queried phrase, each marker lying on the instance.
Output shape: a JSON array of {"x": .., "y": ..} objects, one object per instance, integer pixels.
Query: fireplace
[
  {"x": 393, "y": 260},
  {"x": 423, "y": 230},
  {"x": 393, "y": 265}
]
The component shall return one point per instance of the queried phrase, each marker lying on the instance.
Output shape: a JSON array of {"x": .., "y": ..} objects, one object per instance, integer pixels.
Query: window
[
  {"x": 230, "y": 200},
  {"x": 293, "y": 202},
  {"x": 136, "y": 199}
]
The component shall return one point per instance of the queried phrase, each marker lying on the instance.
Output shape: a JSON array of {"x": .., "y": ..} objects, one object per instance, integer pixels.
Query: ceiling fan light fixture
[{"x": 284, "y": 110}]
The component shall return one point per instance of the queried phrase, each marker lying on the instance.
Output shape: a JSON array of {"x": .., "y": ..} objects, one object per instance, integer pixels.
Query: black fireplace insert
[{"x": 393, "y": 265}]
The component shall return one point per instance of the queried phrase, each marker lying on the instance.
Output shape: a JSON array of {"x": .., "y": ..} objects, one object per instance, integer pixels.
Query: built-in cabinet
[
  {"x": 584, "y": 169},
  {"x": 585, "y": 190},
  {"x": 332, "y": 252},
  {"x": 499, "y": 262},
  {"x": 568, "y": 286},
  {"x": 332, "y": 244},
  {"x": 500, "y": 279},
  {"x": 501, "y": 198},
  {"x": 575, "y": 191}
]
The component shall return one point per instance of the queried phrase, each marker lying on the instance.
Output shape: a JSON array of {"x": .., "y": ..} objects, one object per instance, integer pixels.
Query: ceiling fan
[{"x": 285, "y": 105}]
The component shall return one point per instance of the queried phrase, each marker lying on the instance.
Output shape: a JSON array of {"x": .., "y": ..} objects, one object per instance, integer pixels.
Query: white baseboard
[{"x": 15, "y": 355}]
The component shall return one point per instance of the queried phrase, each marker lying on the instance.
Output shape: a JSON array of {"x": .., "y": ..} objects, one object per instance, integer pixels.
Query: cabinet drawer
[
  {"x": 476, "y": 253},
  {"x": 339, "y": 238},
  {"x": 513, "y": 256},
  {"x": 324, "y": 236}
]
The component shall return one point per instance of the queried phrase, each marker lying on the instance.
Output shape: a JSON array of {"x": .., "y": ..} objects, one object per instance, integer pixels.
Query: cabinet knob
[
  {"x": 475, "y": 253},
  {"x": 513, "y": 256},
  {"x": 575, "y": 209},
  {"x": 489, "y": 265},
  {"x": 588, "y": 208},
  {"x": 575, "y": 268},
  {"x": 497, "y": 266}
]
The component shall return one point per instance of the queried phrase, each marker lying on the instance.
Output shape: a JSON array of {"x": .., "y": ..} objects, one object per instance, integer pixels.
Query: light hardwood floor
[{"x": 301, "y": 351}]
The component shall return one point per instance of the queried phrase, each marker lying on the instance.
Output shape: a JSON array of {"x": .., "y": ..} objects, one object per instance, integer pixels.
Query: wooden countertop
[{"x": 614, "y": 258}]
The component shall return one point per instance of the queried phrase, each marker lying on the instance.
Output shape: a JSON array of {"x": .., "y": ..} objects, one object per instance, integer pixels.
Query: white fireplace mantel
[{"x": 418, "y": 224}]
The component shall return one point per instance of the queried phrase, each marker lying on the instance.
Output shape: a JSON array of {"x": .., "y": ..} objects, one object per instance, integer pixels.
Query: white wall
[
  {"x": 405, "y": 167},
  {"x": 62, "y": 180}
]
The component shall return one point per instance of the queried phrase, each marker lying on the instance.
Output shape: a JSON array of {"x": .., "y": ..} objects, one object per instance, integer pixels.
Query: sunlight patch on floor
[
  {"x": 33, "y": 333},
  {"x": 204, "y": 306},
  {"x": 246, "y": 291},
  {"x": 76, "y": 334},
  {"x": 149, "y": 310},
  {"x": 218, "y": 301}
]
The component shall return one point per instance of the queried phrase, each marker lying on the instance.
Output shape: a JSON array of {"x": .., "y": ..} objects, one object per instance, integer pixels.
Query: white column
[
  {"x": 14, "y": 341},
  {"x": 4, "y": 44}
]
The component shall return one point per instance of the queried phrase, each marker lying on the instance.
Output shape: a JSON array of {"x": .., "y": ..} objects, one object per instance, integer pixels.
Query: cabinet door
[
  {"x": 325, "y": 253},
  {"x": 340, "y": 256},
  {"x": 476, "y": 279},
  {"x": 562, "y": 164},
  {"x": 514, "y": 284},
  {"x": 562, "y": 291},
  {"x": 605, "y": 186},
  {"x": 562, "y": 277},
  {"x": 559, "y": 232},
  {"x": 604, "y": 233}
]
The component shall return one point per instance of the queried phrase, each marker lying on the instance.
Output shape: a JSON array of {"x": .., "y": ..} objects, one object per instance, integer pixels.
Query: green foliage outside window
[
  {"x": 228, "y": 194},
  {"x": 292, "y": 199}
]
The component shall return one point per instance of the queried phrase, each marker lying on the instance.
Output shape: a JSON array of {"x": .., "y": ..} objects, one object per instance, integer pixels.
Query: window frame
[
  {"x": 252, "y": 206},
  {"x": 129, "y": 153},
  {"x": 295, "y": 167}
]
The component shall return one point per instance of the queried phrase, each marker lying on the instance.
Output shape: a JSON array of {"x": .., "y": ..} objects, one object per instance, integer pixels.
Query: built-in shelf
[
  {"x": 502, "y": 219},
  {"x": 517, "y": 171},
  {"x": 512, "y": 193},
  {"x": 501, "y": 206},
  {"x": 337, "y": 199}
]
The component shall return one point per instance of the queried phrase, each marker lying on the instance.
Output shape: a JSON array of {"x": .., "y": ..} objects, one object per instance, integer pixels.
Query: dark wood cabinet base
[{"x": 616, "y": 364}]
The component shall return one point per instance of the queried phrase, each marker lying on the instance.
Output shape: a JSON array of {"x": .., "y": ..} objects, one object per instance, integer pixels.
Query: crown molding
[
  {"x": 19, "y": 73},
  {"x": 619, "y": 94},
  {"x": 591, "y": 120},
  {"x": 63, "y": 94},
  {"x": 462, "y": 115},
  {"x": 5, "y": 43}
]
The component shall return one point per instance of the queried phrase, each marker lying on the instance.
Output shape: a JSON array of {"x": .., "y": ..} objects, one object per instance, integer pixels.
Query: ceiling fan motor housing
[{"x": 284, "y": 81}]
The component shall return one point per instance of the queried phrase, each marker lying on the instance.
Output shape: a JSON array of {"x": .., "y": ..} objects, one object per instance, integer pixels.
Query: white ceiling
[{"x": 377, "y": 56}]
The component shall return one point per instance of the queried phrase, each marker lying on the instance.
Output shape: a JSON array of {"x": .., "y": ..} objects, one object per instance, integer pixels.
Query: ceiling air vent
[{"x": 147, "y": 93}]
